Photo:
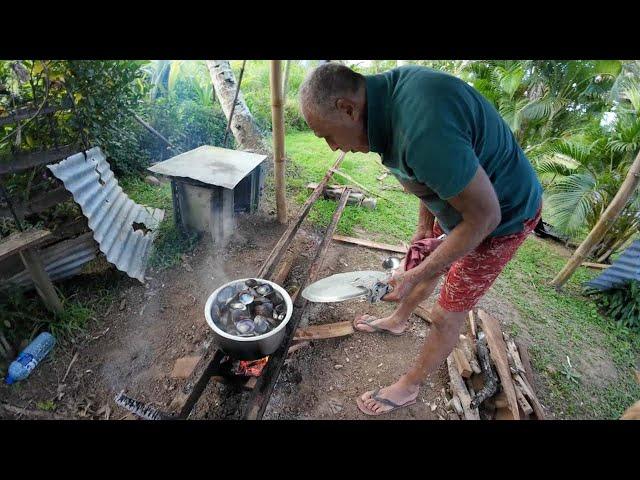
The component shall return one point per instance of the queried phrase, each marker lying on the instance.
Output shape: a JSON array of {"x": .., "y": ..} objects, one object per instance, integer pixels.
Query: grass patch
[
  {"x": 568, "y": 323},
  {"x": 170, "y": 243},
  {"x": 389, "y": 222}
]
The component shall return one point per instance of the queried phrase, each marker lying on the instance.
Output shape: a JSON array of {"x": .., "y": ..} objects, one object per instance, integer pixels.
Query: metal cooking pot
[{"x": 249, "y": 348}]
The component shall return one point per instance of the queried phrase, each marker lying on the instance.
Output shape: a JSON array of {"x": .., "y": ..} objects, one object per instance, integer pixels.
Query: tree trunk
[
  {"x": 604, "y": 223},
  {"x": 244, "y": 127}
]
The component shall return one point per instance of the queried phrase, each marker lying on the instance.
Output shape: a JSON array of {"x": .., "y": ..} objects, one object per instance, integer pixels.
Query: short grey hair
[{"x": 326, "y": 83}]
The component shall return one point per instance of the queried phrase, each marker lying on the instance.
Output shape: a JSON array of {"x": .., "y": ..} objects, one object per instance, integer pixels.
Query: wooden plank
[
  {"x": 500, "y": 400},
  {"x": 527, "y": 390},
  {"x": 601, "y": 266},
  {"x": 370, "y": 244},
  {"x": 23, "y": 161},
  {"x": 262, "y": 393},
  {"x": 461, "y": 363},
  {"x": 498, "y": 352},
  {"x": 39, "y": 203},
  {"x": 43, "y": 284},
  {"x": 472, "y": 325},
  {"x": 283, "y": 272},
  {"x": 513, "y": 350},
  {"x": 423, "y": 312},
  {"x": 467, "y": 346},
  {"x": 526, "y": 361},
  {"x": 17, "y": 242},
  {"x": 459, "y": 389},
  {"x": 282, "y": 245},
  {"x": 321, "y": 332},
  {"x": 526, "y": 407}
]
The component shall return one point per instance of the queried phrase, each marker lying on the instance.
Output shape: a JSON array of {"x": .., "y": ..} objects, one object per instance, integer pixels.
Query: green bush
[
  {"x": 621, "y": 304},
  {"x": 257, "y": 93}
]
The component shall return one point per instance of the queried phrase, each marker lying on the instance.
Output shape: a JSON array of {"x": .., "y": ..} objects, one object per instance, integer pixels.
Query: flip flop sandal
[
  {"x": 376, "y": 329},
  {"x": 363, "y": 408}
]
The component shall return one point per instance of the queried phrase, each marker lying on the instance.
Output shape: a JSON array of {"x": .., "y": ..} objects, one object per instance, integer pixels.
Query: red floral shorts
[{"x": 470, "y": 277}]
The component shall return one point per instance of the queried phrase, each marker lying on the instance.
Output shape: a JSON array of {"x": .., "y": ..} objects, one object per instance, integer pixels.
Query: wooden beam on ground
[
  {"x": 522, "y": 402},
  {"x": 282, "y": 245},
  {"x": 601, "y": 266},
  {"x": 39, "y": 203},
  {"x": 283, "y": 272},
  {"x": 31, "y": 414},
  {"x": 262, "y": 392},
  {"x": 513, "y": 351},
  {"x": 527, "y": 390},
  {"x": 464, "y": 369},
  {"x": 17, "y": 242},
  {"x": 459, "y": 389},
  {"x": 498, "y": 352},
  {"x": 22, "y": 161},
  {"x": 526, "y": 361},
  {"x": 370, "y": 244},
  {"x": 468, "y": 347},
  {"x": 472, "y": 325},
  {"x": 324, "y": 331},
  {"x": 359, "y": 185}
]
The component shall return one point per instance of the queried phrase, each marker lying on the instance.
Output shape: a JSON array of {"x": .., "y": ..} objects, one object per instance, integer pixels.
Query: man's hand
[{"x": 402, "y": 283}]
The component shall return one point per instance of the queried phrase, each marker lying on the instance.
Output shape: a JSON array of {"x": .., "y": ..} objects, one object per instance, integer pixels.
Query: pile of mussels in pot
[{"x": 248, "y": 309}]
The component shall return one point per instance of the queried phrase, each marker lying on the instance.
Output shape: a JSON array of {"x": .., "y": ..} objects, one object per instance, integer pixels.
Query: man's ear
[{"x": 346, "y": 106}]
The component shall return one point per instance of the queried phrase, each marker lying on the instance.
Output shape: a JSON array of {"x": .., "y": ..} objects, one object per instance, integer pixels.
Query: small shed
[{"x": 210, "y": 184}]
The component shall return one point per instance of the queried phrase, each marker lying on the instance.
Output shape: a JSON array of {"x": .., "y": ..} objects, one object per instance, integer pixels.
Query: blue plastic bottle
[{"x": 30, "y": 357}]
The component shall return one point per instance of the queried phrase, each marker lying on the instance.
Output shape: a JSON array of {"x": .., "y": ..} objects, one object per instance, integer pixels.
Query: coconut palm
[{"x": 583, "y": 173}]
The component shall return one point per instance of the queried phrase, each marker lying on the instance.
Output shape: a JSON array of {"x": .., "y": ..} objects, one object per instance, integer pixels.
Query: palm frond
[{"x": 571, "y": 201}]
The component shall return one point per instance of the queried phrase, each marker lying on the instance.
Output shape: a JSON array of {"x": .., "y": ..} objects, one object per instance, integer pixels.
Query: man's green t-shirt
[{"x": 433, "y": 130}]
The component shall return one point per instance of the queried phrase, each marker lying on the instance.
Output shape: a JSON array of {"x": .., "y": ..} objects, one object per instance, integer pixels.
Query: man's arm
[
  {"x": 478, "y": 204},
  {"x": 425, "y": 224}
]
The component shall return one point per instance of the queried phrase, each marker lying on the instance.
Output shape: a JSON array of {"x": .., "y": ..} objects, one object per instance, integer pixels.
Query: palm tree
[{"x": 583, "y": 173}]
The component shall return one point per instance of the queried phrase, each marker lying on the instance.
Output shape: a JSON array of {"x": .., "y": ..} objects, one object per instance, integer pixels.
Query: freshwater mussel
[{"x": 249, "y": 308}]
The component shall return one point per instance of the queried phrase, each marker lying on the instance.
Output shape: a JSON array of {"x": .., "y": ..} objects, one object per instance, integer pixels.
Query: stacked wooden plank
[{"x": 491, "y": 376}]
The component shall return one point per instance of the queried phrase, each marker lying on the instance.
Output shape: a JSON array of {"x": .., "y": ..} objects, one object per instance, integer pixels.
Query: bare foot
[
  {"x": 399, "y": 394},
  {"x": 364, "y": 323}
]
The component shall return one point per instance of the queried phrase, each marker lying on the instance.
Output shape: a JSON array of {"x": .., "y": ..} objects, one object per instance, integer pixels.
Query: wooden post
[
  {"x": 43, "y": 284},
  {"x": 604, "y": 223},
  {"x": 277, "y": 118}
]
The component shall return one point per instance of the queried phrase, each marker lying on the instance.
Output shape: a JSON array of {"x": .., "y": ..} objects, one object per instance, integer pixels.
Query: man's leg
[
  {"x": 466, "y": 281},
  {"x": 443, "y": 336},
  {"x": 398, "y": 321}
]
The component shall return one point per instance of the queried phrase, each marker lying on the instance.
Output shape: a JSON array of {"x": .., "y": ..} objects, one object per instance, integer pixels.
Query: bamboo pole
[
  {"x": 604, "y": 223},
  {"x": 277, "y": 118}
]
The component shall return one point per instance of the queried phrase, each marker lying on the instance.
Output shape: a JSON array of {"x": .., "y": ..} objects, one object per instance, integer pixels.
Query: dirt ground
[{"x": 137, "y": 340}]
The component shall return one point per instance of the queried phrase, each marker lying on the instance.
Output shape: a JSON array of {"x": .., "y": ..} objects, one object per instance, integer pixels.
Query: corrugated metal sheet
[
  {"x": 111, "y": 213},
  {"x": 61, "y": 260},
  {"x": 624, "y": 269}
]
